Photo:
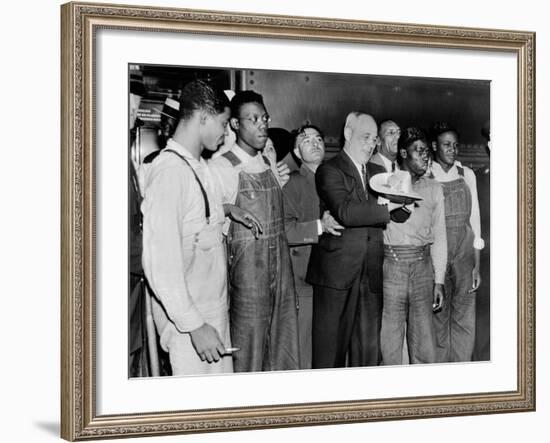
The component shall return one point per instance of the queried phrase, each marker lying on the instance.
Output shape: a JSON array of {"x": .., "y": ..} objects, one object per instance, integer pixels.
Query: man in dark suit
[
  {"x": 338, "y": 267},
  {"x": 304, "y": 224},
  {"x": 384, "y": 160}
]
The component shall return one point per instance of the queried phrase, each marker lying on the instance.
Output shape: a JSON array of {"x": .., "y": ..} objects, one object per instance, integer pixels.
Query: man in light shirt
[
  {"x": 184, "y": 255},
  {"x": 386, "y": 156},
  {"x": 384, "y": 160},
  {"x": 415, "y": 259},
  {"x": 455, "y": 324},
  {"x": 263, "y": 308},
  {"x": 338, "y": 267}
]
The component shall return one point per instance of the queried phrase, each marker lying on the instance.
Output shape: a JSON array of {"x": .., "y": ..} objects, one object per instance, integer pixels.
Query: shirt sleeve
[
  {"x": 475, "y": 222},
  {"x": 275, "y": 171},
  {"x": 164, "y": 207},
  {"x": 227, "y": 177},
  {"x": 439, "y": 247},
  {"x": 298, "y": 230}
]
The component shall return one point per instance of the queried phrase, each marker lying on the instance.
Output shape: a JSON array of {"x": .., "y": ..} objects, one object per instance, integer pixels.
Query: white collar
[
  {"x": 182, "y": 150},
  {"x": 242, "y": 155},
  {"x": 358, "y": 165},
  {"x": 387, "y": 162},
  {"x": 437, "y": 169}
]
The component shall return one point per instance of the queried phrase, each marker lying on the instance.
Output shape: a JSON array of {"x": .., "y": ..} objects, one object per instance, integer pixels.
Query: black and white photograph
[{"x": 287, "y": 220}]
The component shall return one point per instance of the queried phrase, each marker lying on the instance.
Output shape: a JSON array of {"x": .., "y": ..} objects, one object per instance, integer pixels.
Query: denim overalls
[
  {"x": 263, "y": 303},
  {"x": 455, "y": 323}
]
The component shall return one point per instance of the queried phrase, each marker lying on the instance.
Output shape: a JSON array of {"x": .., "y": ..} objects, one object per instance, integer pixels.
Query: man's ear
[
  {"x": 234, "y": 123},
  {"x": 403, "y": 153},
  {"x": 203, "y": 115},
  {"x": 347, "y": 133},
  {"x": 434, "y": 146}
]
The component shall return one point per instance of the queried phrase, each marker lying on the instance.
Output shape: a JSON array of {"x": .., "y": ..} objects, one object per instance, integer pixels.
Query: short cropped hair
[
  {"x": 439, "y": 128},
  {"x": 408, "y": 137},
  {"x": 198, "y": 95},
  {"x": 242, "y": 98}
]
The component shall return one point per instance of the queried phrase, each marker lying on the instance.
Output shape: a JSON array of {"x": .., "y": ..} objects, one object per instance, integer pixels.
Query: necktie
[
  {"x": 392, "y": 166},
  {"x": 365, "y": 179}
]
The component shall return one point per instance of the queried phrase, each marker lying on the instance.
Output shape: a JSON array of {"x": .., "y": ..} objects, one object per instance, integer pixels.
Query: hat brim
[{"x": 378, "y": 184}]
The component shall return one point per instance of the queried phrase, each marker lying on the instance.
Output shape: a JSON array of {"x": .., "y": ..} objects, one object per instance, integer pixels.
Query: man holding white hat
[
  {"x": 338, "y": 267},
  {"x": 415, "y": 255}
]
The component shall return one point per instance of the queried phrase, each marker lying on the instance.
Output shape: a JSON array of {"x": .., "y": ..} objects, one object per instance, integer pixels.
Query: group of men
[{"x": 255, "y": 269}]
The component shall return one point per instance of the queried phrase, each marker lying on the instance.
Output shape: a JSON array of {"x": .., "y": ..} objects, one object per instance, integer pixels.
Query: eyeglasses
[
  {"x": 392, "y": 132},
  {"x": 257, "y": 119}
]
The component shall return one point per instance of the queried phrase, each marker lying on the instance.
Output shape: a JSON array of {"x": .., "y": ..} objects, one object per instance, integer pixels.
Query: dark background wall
[
  {"x": 293, "y": 98},
  {"x": 325, "y": 99}
]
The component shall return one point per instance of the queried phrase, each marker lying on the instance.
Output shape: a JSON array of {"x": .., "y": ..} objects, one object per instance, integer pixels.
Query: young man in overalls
[
  {"x": 455, "y": 323},
  {"x": 263, "y": 307},
  {"x": 183, "y": 251}
]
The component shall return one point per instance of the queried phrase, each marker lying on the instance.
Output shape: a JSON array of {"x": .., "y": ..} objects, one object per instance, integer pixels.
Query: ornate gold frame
[{"x": 79, "y": 420}]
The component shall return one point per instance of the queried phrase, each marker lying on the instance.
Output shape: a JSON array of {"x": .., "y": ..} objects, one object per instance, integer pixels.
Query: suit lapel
[
  {"x": 348, "y": 167},
  {"x": 377, "y": 160}
]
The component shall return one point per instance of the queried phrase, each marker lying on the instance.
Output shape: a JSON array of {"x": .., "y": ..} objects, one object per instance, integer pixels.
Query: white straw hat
[{"x": 394, "y": 185}]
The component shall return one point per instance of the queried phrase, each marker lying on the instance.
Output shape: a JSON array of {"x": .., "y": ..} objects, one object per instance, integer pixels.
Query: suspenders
[
  {"x": 234, "y": 160},
  {"x": 204, "y": 196}
]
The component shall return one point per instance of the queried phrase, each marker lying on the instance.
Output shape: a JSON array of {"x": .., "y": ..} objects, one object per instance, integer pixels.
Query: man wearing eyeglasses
[
  {"x": 384, "y": 160},
  {"x": 338, "y": 267},
  {"x": 263, "y": 303}
]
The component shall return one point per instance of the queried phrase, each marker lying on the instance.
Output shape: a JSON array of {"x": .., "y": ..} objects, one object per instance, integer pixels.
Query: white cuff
[
  {"x": 479, "y": 243},
  {"x": 319, "y": 227}
]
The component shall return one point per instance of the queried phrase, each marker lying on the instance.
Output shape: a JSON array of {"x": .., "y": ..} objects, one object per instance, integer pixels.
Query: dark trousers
[{"x": 346, "y": 321}]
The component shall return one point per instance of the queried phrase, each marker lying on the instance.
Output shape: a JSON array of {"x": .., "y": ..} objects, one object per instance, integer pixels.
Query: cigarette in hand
[{"x": 231, "y": 350}]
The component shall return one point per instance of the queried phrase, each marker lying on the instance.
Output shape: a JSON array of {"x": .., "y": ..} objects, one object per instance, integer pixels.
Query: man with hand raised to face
[
  {"x": 263, "y": 307},
  {"x": 183, "y": 251}
]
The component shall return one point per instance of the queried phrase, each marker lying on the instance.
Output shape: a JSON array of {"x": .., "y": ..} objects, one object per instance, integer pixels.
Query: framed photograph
[{"x": 135, "y": 83}]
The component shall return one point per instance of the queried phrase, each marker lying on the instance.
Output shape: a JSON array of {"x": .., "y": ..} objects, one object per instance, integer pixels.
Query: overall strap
[
  {"x": 204, "y": 196},
  {"x": 266, "y": 161},
  {"x": 232, "y": 157}
]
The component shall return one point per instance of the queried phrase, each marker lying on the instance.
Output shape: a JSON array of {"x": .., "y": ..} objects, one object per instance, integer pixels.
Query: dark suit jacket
[
  {"x": 336, "y": 262},
  {"x": 301, "y": 205},
  {"x": 375, "y": 247}
]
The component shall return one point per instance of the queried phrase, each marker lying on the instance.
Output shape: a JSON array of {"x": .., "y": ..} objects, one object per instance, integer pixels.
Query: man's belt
[{"x": 406, "y": 252}]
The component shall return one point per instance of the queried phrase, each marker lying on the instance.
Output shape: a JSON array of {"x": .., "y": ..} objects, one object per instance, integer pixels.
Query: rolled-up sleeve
[
  {"x": 439, "y": 247},
  {"x": 163, "y": 210},
  {"x": 298, "y": 230}
]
